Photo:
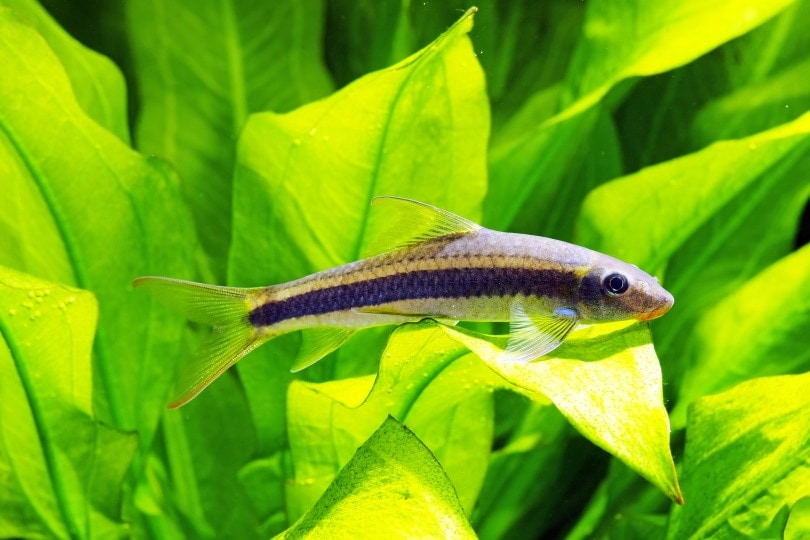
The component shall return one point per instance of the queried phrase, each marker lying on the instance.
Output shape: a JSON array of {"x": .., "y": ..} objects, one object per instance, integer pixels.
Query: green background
[{"x": 240, "y": 142}]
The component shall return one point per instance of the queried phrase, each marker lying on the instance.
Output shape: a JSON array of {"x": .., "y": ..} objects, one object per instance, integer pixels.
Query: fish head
[{"x": 615, "y": 291}]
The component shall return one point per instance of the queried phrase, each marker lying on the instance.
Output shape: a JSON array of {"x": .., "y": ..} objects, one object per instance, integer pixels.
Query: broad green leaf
[
  {"x": 747, "y": 456},
  {"x": 769, "y": 49},
  {"x": 606, "y": 381},
  {"x": 713, "y": 218},
  {"x": 84, "y": 209},
  {"x": 598, "y": 161},
  {"x": 201, "y": 69},
  {"x": 393, "y": 487},
  {"x": 304, "y": 181},
  {"x": 428, "y": 381},
  {"x": 531, "y": 166},
  {"x": 799, "y": 520},
  {"x": 52, "y": 486},
  {"x": 665, "y": 35},
  {"x": 756, "y": 107},
  {"x": 757, "y": 330},
  {"x": 96, "y": 82}
]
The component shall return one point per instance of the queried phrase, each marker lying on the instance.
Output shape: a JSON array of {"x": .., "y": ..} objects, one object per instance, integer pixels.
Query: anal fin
[
  {"x": 317, "y": 343},
  {"x": 534, "y": 335}
]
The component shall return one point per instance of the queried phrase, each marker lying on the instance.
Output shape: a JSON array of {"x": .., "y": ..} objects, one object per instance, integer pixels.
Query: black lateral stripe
[{"x": 421, "y": 284}]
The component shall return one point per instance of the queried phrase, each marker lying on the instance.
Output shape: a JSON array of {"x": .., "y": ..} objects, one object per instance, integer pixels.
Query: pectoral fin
[
  {"x": 317, "y": 343},
  {"x": 534, "y": 335}
]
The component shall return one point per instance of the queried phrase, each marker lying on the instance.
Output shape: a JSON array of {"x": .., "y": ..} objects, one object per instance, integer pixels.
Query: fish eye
[{"x": 616, "y": 284}]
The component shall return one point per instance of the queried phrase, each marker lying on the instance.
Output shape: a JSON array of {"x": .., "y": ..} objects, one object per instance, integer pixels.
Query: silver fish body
[{"x": 439, "y": 265}]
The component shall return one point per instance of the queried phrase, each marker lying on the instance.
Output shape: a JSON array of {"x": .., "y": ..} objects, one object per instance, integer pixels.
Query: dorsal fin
[{"x": 412, "y": 222}]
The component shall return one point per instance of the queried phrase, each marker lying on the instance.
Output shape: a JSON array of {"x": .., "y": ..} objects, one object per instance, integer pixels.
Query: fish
[{"x": 430, "y": 263}]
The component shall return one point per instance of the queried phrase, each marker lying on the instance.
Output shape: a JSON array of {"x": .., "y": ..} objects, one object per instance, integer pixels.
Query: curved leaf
[
  {"x": 606, "y": 381},
  {"x": 619, "y": 40},
  {"x": 714, "y": 218},
  {"x": 393, "y": 487},
  {"x": 202, "y": 68},
  {"x": 427, "y": 380},
  {"x": 94, "y": 215},
  {"x": 97, "y": 83},
  {"x": 746, "y": 458},
  {"x": 758, "y": 330},
  {"x": 53, "y": 487},
  {"x": 304, "y": 181}
]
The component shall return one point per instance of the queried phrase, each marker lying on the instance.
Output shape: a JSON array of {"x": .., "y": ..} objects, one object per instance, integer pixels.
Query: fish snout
[{"x": 661, "y": 307}]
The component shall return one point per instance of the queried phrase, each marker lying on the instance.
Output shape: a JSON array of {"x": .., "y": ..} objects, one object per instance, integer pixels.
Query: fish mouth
[{"x": 654, "y": 314}]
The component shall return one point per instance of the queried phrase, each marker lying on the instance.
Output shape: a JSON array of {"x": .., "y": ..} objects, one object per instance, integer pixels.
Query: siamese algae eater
[{"x": 435, "y": 265}]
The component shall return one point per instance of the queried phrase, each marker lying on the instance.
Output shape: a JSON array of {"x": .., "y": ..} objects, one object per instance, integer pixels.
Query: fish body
[{"x": 436, "y": 265}]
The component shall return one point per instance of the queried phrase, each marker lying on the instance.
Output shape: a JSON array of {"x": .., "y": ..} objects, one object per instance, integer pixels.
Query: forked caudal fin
[{"x": 225, "y": 309}]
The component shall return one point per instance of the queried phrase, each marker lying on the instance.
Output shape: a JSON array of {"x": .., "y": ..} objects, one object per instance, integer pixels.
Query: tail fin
[{"x": 226, "y": 310}]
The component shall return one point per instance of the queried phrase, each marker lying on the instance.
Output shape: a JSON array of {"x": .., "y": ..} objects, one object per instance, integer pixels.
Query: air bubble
[{"x": 12, "y": 312}]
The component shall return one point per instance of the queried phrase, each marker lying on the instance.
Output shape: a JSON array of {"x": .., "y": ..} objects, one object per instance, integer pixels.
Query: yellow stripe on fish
[{"x": 434, "y": 264}]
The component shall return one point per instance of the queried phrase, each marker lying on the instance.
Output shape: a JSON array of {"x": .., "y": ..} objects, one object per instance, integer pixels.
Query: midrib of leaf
[
  {"x": 76, "y": 261},
  {"x": 169, "y": 145},
  {"x": 719, "y": 238},
  {"x": 54, "y": 475},
  {"x": 236, "y": 74},
  {"x": 407, "y": 404},
  {"x": 417, "y": 64},
  {"x": 377, "y": 163}
]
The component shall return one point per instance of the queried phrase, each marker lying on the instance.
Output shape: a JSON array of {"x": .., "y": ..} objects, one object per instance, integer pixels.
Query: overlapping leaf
[
  {"x": 428, "y": 381},
  {"x": 746, "y": 460},
  {"x": 606, "y": 381},
  {"x": 393, "y": 487},
  {"x": 664, "y": 35},
  {"x": 305, "y": 179},
  {"x": 202, "y": 68},
  {"x": 699, "y": 216},
  {"x": 81, "y": 208},
  {"x": 96, "y": 81},
  {"x": 758, "y": 330},
  {"x": 52, "y": 486}
]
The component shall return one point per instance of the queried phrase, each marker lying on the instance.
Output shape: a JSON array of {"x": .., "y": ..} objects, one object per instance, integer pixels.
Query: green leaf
[
  {"x": 96, "y": 82},
  {"x": 427, "y": 380},
  {"x": 774, "y": 326},
  {"x": 665, "y": 35},
  {"x": 713, "y": 218},
  {"x": 799, "y": 520},
  {"x": 202, "y": 68},
  {"x": 606, "y": 381},
  {"x": 86, "y": 210},
  {"x": 52, "y": 486},
  {"x": 304, "y": 181},
  {"x": 747, "y": 456},
  {"x": 392, "y": 487},
  {"x": 755, "y": 107}
]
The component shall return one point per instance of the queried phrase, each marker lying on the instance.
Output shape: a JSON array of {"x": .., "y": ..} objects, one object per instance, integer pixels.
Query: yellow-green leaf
[
  {"x": 393, "y": 487},
  {"x": 606, "y": 381}
]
